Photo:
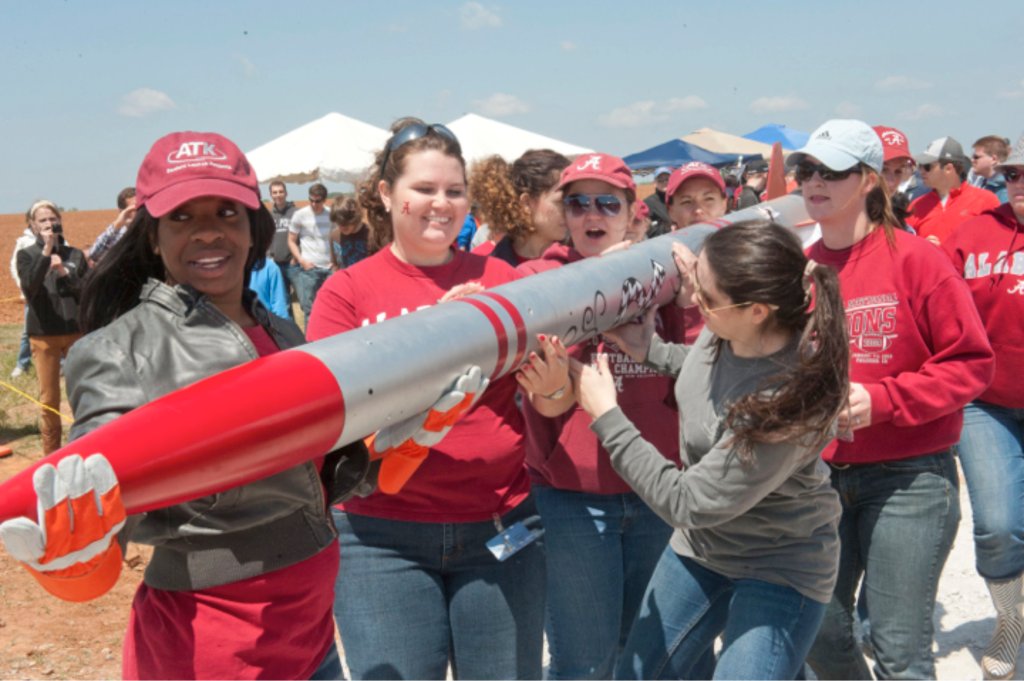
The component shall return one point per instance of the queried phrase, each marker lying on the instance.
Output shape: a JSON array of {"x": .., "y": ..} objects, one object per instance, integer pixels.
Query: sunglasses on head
[
  {"x": 607, "y": 205},
  {"x": 414, "y": 131},
  {"x": 1013, "y": 174},
  {"x": 805, "y": 170}
]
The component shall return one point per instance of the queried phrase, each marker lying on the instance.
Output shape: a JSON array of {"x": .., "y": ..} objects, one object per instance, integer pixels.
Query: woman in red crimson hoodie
[
  {"x": 418, "y": 588},
  {"x": 918, "y": 354},
  {"x": 989, "y": 252},
  {"x": 602, "y": 540}
]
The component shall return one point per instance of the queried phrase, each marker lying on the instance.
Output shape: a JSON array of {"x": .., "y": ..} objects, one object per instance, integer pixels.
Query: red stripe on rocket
[{"x": 279, "y": 411}]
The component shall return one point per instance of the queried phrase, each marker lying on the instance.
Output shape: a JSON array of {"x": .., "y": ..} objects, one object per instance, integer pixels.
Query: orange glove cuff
[{"x": 86, "y": 581}]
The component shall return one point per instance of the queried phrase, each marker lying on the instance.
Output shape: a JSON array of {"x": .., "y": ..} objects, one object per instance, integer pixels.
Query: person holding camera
[{"x": 50, "y": 272}]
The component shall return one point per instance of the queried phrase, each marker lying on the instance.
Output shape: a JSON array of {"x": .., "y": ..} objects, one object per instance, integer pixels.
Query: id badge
[{"x": 511, "y": 540}]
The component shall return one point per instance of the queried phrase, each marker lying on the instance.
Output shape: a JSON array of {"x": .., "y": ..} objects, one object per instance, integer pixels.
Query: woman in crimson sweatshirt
[
  {"x": 918, "y": 354},
  {"x": 989, "y": 252}
]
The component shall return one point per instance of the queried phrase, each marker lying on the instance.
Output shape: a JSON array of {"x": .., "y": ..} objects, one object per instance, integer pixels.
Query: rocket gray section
[{"x": 390, "y": 371}]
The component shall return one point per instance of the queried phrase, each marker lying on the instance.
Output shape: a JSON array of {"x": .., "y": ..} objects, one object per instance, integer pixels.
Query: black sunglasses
[
  {"x": 1013, "y": 174},
  {"x": 805, "y": 170},
  {"x": 414, "y": 131},
  {"x": 607, "y": 205}
]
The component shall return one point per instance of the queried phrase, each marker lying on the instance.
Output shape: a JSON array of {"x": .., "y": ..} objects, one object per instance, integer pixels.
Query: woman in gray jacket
[{"x": 755, "y": 550}]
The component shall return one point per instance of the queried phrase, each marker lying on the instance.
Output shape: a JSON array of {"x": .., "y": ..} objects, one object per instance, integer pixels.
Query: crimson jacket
[
  {"x": 929, "y": 217},
  {"x": 989, "y": 252},
  {"x": 916, "y": 344}
]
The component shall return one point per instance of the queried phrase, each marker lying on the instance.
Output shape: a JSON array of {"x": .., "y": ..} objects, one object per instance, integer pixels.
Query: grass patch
[{"x": 19, "y": 417}]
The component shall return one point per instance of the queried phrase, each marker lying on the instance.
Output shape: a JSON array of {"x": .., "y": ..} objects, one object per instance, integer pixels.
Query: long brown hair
[
  {"x": 382, "y": 231},
  {"x": 758, "y": 261}
]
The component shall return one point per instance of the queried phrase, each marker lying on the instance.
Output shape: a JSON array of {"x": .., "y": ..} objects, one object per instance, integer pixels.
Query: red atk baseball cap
[
  {"x": 690, "y": 170},
  {"x": 183, "y": 166},
  {"x": 604, "y": 167},
  {"x": 894, "y": 143}
]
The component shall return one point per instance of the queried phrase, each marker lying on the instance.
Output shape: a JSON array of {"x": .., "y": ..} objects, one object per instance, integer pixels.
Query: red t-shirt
[
  {"x": 989, "y": 252},
  {"x": 477, "y": 469},
  {"x": 277, "y": 625},
  {"x": 929, "y": 217},
  {"x": 916, "y": 343},
  {"x": 563, "y": 451}
]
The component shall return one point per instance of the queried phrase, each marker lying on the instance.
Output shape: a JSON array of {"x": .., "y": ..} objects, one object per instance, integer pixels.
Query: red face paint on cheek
[{"x": 405, "y": 208}]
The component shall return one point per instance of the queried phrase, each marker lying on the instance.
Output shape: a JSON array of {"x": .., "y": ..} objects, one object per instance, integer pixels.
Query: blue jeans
[
  {"x": 898, "y": 524},
  {"x": 330, "y": 667},
  {"x": 992, "y": 458},
  {"x": 307, "y": 283},
  {"x": 766, "y": 628},
  {"x": 601, "y": 551},
  {"x": 410, "y": 597},
  {"x": 24, "y": 349}
]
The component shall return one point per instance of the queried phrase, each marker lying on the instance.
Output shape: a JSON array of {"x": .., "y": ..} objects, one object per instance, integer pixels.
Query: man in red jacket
[{"x": 943, "y": 167}]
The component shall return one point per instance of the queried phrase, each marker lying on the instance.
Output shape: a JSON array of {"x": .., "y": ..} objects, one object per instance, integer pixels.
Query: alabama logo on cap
[
  {"x": 593, "y": 161},
  {"x": 893, "y": 138}
]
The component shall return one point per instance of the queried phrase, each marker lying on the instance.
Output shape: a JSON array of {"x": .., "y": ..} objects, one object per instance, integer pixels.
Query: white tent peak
[
  {"x": 481, "y": 137},
  {"x": 334, "y": 148}
]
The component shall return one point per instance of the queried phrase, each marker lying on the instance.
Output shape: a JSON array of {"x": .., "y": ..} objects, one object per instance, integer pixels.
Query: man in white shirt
[{"x": 309, "y": 243}]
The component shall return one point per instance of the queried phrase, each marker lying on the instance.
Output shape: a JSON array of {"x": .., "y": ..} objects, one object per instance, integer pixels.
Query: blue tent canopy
[
  {"x": 677, "y": 152},
  {"x": 774, "y": 132}
]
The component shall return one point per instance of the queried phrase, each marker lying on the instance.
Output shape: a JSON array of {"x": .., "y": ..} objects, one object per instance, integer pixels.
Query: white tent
[
  {"x": 334, "y": 148},
  {"x": 481, "y": 137}
]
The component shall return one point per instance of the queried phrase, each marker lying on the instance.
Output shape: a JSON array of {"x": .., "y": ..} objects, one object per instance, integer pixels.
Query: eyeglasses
[
  {"x": 607, "y": 205},
  {"x": 414, "y": 131},
  {"x": 704, "y": 304},
  {"x": 805, "y": 170},
  {"x": 1013, "y": 174}
]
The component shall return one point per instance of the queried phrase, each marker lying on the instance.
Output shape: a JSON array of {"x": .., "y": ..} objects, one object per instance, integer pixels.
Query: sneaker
[{"x": 18, "y": 371}]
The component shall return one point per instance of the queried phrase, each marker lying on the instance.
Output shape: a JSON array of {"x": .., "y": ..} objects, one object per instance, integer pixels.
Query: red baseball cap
[
  {"x": 604, "y": 167},
  {"x": 894, "y": 143},
  {"x": 690, "y": 170},
  {"x": 183, "y": 166}
]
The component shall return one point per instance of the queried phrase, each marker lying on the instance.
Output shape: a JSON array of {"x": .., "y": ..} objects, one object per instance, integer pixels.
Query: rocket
[{"x": 278, "y": 411}]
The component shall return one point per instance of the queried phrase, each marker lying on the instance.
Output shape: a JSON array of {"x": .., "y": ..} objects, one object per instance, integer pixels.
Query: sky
[{"x": 88, "y": 86}]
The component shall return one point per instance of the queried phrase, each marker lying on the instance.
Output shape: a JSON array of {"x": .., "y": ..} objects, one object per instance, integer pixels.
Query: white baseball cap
[{"x": 841, "y": 144}]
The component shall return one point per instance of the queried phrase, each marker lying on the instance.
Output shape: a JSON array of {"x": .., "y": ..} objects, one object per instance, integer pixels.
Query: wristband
[{"x": 558, "y": 394}]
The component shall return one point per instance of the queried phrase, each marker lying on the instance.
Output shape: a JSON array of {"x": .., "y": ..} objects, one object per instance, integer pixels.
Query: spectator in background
[
  {"x": 349, "y": 234},
  {"x": 898, "y": 172},
  {"x": 468, "y": 231},
  {"x": 24, "y": 360},
  {"x": 660, "y": 221},
  {"x": 989, "y": 152},
  {"x": 951, "y": 200},
  {"x": 282, "y": 210},
  {"x": 755, "y": 177},
  {"x": 521, "y": 203},
  {"x": 116, "y": 229},
  {"x": 267, "y": 282},
  {"x": 696, "y": 193},
  {"x": 50, "y": 272},
  {"x": 309, "y": 243}
]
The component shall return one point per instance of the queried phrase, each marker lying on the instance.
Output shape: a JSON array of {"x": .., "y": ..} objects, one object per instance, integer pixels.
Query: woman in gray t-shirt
[{"x": 755, "y": 550}]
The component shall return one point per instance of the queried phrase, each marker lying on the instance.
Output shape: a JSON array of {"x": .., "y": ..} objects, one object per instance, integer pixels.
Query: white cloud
[
  {"x": 650, "y": 112},
  {"x": 144, "y": 101},
  {"x": 848, "y": 110},
  {"x": 474, "y": 15},
  {"x": 568, "y": 46},
  {"x": 248, "y": 68},
  {"x": 777, "y": 104},
  {"x": 901, "y": 84},
  {"x": 923, "y": 111},
  {"x": 688, "y": 103},
  {"x": 501, "y": 104},
  {"x": 1012, "y": 94}
]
